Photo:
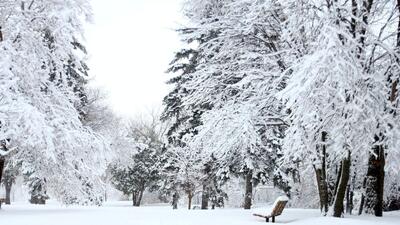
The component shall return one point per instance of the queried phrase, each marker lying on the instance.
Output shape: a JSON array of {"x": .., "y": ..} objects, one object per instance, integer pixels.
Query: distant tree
[
  {"x": 37, "y": 188},
  {"x": 212, "y": 190},
  {"x": 138, "y": 168},
  {"x": 141, "y": 175}
]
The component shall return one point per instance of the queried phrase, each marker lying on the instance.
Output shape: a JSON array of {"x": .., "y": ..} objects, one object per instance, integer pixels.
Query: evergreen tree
[
  {"x": 138, "y": 167},
  {"x": 238, "y": 76},
  {"x": 183, "y": 119},
  {"x": 141, "y": 175}
]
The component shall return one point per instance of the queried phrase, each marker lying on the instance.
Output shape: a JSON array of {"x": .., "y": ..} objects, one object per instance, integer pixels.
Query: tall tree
[
  {"x": 237, "y": 76},
  {"x": 183, "y": 119},
  {"x": 38, "y": 112},
  {"x": 338, "y": 85}
]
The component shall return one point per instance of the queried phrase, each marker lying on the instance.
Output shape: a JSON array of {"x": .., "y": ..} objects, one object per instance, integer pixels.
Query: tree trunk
[
  {"x": 175, "y": 199},
  {"x": 190, "y": 196},
  {"x": 322, "y": 190},
  {"x": 204, "y": 198},
  {"x": 1, "y": 167},
  {"x": 349, "y": 200},
  {"x": 2, "y": 145},
  {"x": 320, "y": 174},
  {"x": 8, "y": 193},
  {"x": 137, "y": 197},
  {"x": 339, "y": 174},
  {"x": 341, "y": 189},
  {"x": 362, "y": 202},
  {"x": 249, "y": 190},
  {"x": 375, "y": 181},
  {"x": 134, "y": 197},
  {"x": 139, "y": 200}
]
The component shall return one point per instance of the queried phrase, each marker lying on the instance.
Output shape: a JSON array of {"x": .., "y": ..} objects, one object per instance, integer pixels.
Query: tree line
[
  {"x": 274, "y": 92},
  {"x": 299, "y": 94}
]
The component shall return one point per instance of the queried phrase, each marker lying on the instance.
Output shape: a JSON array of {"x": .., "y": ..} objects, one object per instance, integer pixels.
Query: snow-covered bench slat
[{"x": 277, "y": 209}]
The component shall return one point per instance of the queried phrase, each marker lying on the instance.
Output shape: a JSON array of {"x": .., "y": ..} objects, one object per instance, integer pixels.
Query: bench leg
[
  {"x": 266, "y": 219},
  {"x": 273, "y": 219}
]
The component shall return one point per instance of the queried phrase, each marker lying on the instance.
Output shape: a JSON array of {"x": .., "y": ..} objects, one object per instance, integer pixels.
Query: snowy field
[{"x": 121, "y": 213}]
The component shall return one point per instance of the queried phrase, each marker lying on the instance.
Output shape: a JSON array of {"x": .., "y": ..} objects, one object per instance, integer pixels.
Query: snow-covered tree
[
  {"x": 183, "y": 120},
  {"x": 307, "y": 85},
  {"x": 40, "y": 120},
  {"x": 337, "y": 92},
  {"x": 138, "y": 167},
  {"x": 236, "y": 75}
]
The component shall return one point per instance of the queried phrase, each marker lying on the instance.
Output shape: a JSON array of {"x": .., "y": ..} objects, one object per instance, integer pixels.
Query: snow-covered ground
[{"x": 121, "y": 213}]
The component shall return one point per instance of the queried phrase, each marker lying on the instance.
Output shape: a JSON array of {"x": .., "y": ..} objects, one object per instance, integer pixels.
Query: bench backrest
[{"x": 277, "y": 210}]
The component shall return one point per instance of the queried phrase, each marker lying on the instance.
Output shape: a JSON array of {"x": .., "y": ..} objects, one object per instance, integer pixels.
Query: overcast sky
[{"x": 130, "y": 44}]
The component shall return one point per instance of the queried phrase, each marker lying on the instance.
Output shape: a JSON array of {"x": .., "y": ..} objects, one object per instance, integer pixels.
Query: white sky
[{"x": 130, "y": 44}]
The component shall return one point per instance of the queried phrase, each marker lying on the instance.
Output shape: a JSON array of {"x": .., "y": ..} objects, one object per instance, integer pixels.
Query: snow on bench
[{"x": 274, "y": 211}]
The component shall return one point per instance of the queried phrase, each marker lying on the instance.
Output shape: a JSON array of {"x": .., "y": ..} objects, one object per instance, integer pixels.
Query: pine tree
[
  {"x": 140, "y": 176},
  {"x": 137, "y": 169},
  {"x": 238, "y": 76},
  {"x": 183, "y": 119}
]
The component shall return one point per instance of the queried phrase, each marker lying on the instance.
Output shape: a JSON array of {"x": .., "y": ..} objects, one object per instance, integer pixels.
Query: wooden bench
[{"x": 277, "y": 210}]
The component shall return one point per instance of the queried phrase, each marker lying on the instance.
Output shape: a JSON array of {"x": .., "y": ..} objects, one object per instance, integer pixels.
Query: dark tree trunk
[
  {"x": 322, "y": 190},
  {"x": 2, "y": 146},
  {"x": 204, "y": 198},
  {"x": 362, "y": 202},
  {"x": 190, "y": 197},
  {"x": 139, "y": 201},
  {"x": 339, "y": 174},
  {"x": 349, "y": 200},
  {"x": 341, "y": 189},
  {"x": 175, "y": 198},
  {"x": 8, "y": 193},
  {"x": 320, "y": 174},
  {"x": 140, "y": 197},
  {"x": 137, "y": 197},
  {"x": 1, "y": 168},
  {"x": 375, "y": 181},
  {"x": 2, "y": 143},
  {"x": 134, "y": 197},
  {"x": 249, "y": 190}
]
